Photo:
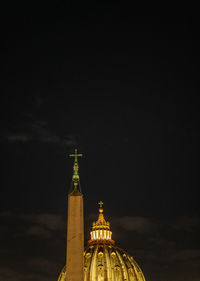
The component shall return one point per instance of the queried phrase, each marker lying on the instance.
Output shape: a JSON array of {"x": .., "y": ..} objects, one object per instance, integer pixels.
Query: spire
[
  {"x": 75, "y": 177},
  {"x": 101, "y": 220},
  {"x": 101, "y": 229}
]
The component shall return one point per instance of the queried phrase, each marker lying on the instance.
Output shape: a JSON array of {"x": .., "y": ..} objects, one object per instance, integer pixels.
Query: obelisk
[{"x": 75, "y": 227}]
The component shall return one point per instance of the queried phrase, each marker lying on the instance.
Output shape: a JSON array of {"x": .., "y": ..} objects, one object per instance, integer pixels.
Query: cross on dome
[{"x": 100, "y": 204}]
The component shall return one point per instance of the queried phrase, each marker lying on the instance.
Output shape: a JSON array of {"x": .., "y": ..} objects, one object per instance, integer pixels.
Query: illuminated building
[{"x": 103, "y": 260}]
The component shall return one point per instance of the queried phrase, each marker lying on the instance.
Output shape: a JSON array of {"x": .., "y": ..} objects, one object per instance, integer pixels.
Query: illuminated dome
[{"x": 103, "y": 260}]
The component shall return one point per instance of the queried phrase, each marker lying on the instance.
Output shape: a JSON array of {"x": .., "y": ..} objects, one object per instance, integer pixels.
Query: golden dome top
[
  {"x": 100, "y": 223},
  {"x": 101, "y": 229}
]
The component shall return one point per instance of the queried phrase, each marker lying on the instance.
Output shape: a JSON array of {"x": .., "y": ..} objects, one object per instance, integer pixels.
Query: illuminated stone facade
[{"x": 103, "y": 260}]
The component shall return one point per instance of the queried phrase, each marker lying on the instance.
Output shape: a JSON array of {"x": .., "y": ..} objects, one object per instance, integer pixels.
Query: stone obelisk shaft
[{"x": 75, "y": 237}]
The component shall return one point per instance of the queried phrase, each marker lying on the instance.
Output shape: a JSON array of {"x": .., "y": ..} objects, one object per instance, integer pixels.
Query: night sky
[{"x": 122, "y": 86}]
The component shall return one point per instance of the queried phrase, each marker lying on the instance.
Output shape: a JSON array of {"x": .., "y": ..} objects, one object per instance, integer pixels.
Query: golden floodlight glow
[
  {"x": 101, "y": 228},
  {"x": 103, "y": 260}
]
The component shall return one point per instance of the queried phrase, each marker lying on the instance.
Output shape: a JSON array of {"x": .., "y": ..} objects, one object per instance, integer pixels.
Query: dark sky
[{"x": 122, "y": 86}]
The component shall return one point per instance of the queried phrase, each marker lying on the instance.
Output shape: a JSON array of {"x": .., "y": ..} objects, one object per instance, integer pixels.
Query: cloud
[
  {"x": 138, "y": 224},
  {"x": 50, "y": 221},
  {"x": 162, "y": 242},
  {"x": 161, "y": 257},
  {"x": 43, "y": 225},
  {"x": 5, "y": 214},
  {"x": 39, "y": 133},
  {"x": 8, "y": 274},
  {"x": 29, "y": 128},
  {"x": 186, "y": 223},
  {"x": 32, "y": 244},
  {"x": 39, "y": 231},
  {"x": 187, "y": 254},
  {"x": 43, "y": 265},
  {"x": 45, "y": 137},
  {"x": 18, "y": 138}
]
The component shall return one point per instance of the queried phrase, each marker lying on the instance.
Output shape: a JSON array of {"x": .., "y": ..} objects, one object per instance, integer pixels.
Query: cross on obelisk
[
  {"x": 76, "y": 155},
  {"x": 75, "y": 177}
]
